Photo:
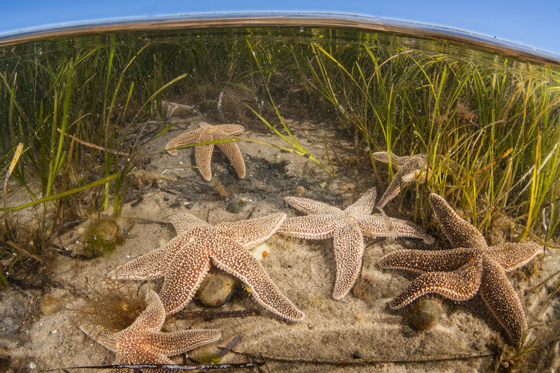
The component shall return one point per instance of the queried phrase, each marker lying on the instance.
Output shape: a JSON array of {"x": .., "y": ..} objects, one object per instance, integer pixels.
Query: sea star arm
[
  {"x": 461, "y": 284},
  {"x": 349, "y": 250},
  {"x": 316, "y": 227},
  {"x": 203, "y": 156},
  {"x": 311, "y": 207},
  {"x": 422, "y": 261},
  {"x": 152, "y": 318},
  {"x": 151, "y": 265},
  {"x": 175, "y": 343},
  {"x": 184, "y": 222},
  {"x": 183, "y": 139},
  {"x": 385, "y": 157},
  {"x": 374, "y": 226},
  {"x": 182, "y": 279},
  {"x": 250, "y": 233},
  {"x": 231, "y": 150},
  {"x": 392, "y": 191},
  {"x": 511, "y": 256},
  {"x": 231, "y": 129},
  {"x": 364, "y": 205},
  {"x": 499, "y": 296},
  {"x": 233, "y": 258},
  {"x": 406, "y": 174},
  {"x": 104, "y": 337},
  {"x": 141, "y": 355},
  {"x": 458, "y": 231}
]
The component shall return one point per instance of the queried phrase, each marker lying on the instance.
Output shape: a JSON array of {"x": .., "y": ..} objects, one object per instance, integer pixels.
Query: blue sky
[{"x": 535, "y": 24}]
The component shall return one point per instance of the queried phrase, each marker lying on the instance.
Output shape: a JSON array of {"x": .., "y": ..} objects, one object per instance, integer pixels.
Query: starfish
[
  {"x": 347, "y": 229},
  {"x": 410, "y": 168},
  {"x": 185, "y": 260},
  {"x": 470, "y": 267},
  {"x": 143, "y": 342},
  {"x": 203, "y": 153}
]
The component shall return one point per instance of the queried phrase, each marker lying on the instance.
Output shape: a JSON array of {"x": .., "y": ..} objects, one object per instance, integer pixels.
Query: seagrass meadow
[{"x": 84, "y": 123}]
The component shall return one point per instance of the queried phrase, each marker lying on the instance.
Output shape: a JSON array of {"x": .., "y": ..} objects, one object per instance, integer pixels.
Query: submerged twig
[
  {"x": 164, "y": 366},
  {"x": 425, "y": 359},
  {"x": 209, "y": 315},
  {"x": 230, "y": 346}
]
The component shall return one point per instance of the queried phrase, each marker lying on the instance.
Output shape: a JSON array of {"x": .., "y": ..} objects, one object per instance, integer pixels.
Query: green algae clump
[{"x": 103, "y": 235}]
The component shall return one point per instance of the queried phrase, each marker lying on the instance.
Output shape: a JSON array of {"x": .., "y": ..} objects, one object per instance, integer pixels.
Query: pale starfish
[
  {"x": 186, "y": 259},
  {"x": 347, "y": 229},
  {"x": 143, "y": 342},
  {"x": 410, "y": 168},
  {"x": 471, "y": 266},
  {"x": 203, "y": 153}
]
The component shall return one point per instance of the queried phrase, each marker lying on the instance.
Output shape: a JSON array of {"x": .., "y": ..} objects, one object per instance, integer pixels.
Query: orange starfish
[
  {"x": 143, "y": 342},
  {"x": 469, "y": 268},
  {"x": 203, "y": 153},
  {"x": 185, "y": 260}
]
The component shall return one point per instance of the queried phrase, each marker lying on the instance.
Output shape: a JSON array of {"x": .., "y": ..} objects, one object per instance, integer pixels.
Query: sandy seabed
[{"x": 359, "y": 328}]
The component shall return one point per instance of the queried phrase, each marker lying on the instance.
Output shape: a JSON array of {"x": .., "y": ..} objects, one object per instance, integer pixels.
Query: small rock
[
  {"x": 478, "y": 344},
  {"x": 409, "y": 332},
  {"x": 166, "y": 197},
  {"x": 323, "y": 185},
  {"x": 348, "y": 188},
  {"x": 357, "y": 355},
  {"x": 299, "y": 190},
  {"x": 216, "y": 289},
  {"x": 236, "y": 206},
  {"x": 426, "y": 313}
]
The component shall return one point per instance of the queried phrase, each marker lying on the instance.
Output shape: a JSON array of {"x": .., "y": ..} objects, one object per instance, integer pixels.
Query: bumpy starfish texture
[
  {"x": 470, "y": 267},
  {"x": 410, "y": 168},
  {"x": 185, "y": 260},
  {"x": 203, "y": 153},
  {"x": 347, "y": 229},
  {"x": 144, "y": 343}
]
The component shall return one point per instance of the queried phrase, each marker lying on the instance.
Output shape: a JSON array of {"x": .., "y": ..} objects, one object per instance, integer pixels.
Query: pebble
[
  {"x": 299, "y": 190},
  {"x": 216, "y": 289},
  {"x": 236, "y": 206},
  {"x": 409, "y": 332},
  {"x": 166, "y": 197},
  {"x": 426, "y": 313},
  {"x": 357, "y": 355},
  {"x": 478, "y": 344},
  {"x": 348, "y": 188}
]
